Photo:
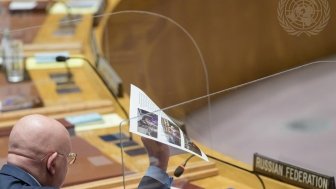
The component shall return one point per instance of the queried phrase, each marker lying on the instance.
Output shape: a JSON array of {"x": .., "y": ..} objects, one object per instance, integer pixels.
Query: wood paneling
[{"x": 240, "y": 40}]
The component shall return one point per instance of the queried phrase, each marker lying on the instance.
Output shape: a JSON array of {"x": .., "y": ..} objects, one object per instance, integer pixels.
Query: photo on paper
[
  {"x": 148, "y": 123},
  {"x": 188, "y": 144},
  {"x": 171, "y": 131}
]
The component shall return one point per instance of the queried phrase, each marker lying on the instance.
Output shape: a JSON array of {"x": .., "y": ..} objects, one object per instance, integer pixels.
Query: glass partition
[
  {"x": 287, "y": 116},
  {"x": 280, "y": 116},
  {"x": 83, "y": 79},
  {"x": 159, "y": 57},
  {"x": 239, "y": 121}
]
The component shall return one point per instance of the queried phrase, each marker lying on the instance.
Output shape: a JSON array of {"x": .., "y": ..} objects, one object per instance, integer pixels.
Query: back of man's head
[{"x": 37, "y": 144}]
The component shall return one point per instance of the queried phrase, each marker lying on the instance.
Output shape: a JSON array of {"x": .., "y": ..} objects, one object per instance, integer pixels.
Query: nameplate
[
  {"x": 110, "y": 76},
  {"x": 291, "y": 174}
]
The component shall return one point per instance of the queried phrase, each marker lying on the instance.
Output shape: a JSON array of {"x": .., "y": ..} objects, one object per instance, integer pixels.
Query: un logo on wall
[{"x": 303, "y": 16}]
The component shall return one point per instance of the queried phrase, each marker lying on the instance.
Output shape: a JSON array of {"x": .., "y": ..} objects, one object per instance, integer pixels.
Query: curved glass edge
[
  {"x": 245, "y": 103},
  {"x": 49, "y": 62},
  {"x": 256, "y": 118},
  {"x": 151, "y": 52}
]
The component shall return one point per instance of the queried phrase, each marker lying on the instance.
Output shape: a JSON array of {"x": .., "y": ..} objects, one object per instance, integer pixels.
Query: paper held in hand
[{"x": 147, "y": 120}]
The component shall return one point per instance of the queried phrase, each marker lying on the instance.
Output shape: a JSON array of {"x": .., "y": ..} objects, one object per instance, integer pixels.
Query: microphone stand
[
  {"x": 64, "y": 59},
  {"x": 69, "y": 74},
  {"x": 68, "y": 23}
]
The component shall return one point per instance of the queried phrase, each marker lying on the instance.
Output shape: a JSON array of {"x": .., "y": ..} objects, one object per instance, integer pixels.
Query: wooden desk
[
  {"x": 51, "y": 32},
  {"x": 214, "y": 175},
  {"x": 196, "y": 169},
  {"x": 94, "y": 95},
  {"x": 20, "y": 20},
  {"x": 91, "y": 88},
  {"x": 48, "y": 31}
]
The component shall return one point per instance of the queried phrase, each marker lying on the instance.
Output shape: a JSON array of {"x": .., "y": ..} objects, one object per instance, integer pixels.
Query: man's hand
[{"x": 158, "y": 153}]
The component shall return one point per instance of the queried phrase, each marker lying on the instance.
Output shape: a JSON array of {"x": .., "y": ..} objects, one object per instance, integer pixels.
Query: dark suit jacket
[{"x": 13, "y": 177}]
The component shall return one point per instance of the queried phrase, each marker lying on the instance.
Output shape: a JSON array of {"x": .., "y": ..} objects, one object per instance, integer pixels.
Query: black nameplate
[{"x": 291, "y": 174}]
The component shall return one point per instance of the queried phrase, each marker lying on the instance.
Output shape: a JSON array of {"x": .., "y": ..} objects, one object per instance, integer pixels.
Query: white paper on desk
[
  {"x": 109, "y": 120},
  {"x": 77, "y": 7},
  {"x": 31, "y": 64},
  {"x": 147, "y": 120},
  {"x": 49, "y": 57},
  {"x": 22, "y": 5}
]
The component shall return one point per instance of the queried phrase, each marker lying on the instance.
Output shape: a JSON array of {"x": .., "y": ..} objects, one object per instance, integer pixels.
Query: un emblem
[{"x": 303, "y": 16}]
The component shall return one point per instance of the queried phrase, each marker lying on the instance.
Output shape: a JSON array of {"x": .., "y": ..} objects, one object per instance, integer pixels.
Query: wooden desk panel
[
  {"x": 227, "y": 176},
  {"x": 90, "y": 87},
  {"x": 90, "y": 164},
  {"x": 3, "y": 150},
  {"x": 20, "y": 20},
  {"x": 196, "y": 169},
  {"x": 46, "y": 33}
]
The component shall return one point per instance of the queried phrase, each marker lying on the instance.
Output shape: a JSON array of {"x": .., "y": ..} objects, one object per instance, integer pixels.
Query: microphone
[
  {"x": 69, "y": 19},
  {"x": 104, "y": 71},
  {"x": 64, "y": 59},
  {"x": 67, "y": 24},
  {"x": 61, "y": 58},
  {"x": 180, "y": 169}
]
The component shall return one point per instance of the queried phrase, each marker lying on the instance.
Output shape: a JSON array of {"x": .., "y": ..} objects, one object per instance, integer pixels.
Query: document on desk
[
  {"x": 147, "y": 120},
  {"x": 22, "y": 5},
  {"x": 19, "y": 96},
  {"x": 78, "y": 7}
]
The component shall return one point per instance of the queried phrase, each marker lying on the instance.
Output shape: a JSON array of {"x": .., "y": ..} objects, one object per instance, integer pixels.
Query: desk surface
[
  {"x": 20, "y": 20},
  {"x": 60, "y": 28},
  {"x": 84, "y": 86}
]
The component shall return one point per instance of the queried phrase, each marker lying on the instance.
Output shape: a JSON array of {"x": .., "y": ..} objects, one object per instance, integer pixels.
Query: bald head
[
  {"x": 36, "y": 135},
  {"x": 39, "y": 145}
]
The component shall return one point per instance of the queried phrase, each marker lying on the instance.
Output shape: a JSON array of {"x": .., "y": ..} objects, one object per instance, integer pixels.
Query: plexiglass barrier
[
  {"x": 293, "y": 135},
  {"x": 80, "y": 73},
  {"x": 160, "y": 58}
]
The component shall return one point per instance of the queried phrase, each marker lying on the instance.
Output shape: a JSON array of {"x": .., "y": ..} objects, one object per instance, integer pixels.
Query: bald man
[
  {"x": 39, "y": 149},
  {"x": 39, "y": 152}
]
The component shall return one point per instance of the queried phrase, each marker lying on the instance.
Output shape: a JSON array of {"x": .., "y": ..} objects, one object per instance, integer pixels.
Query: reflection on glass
[{"x": 289, "y": 117}]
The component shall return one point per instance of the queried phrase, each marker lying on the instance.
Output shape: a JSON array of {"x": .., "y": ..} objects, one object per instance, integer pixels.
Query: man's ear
[{"x": 51, "y": 163}]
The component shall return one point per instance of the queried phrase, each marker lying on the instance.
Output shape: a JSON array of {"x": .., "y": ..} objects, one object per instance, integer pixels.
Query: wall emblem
[{"x": 303, "y": 16}]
